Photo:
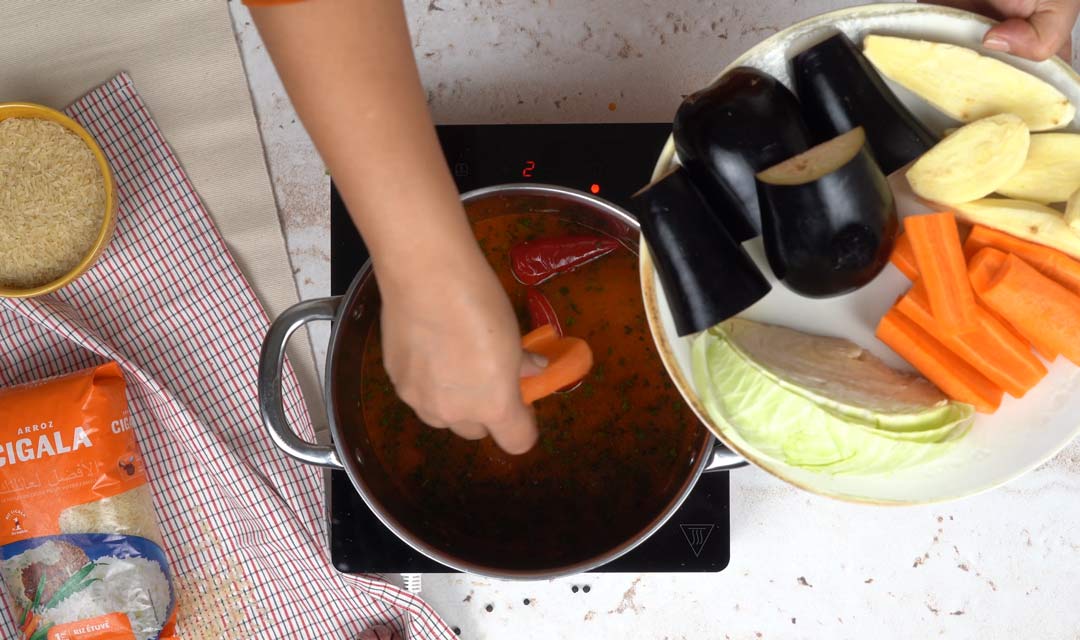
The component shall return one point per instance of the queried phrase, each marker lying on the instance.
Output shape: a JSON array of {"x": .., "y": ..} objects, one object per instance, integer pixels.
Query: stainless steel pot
[{"x": 351, "y": 451}]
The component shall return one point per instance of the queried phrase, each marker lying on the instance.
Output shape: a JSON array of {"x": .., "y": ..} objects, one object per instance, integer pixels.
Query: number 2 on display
[{"x": 527, "y": 172}]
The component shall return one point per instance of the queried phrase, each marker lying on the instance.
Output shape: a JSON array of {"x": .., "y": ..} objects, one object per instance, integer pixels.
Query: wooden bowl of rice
[{"x": 57, "y": 200}]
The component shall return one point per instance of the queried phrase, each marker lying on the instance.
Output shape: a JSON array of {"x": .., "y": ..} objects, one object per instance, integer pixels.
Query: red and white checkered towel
[{"x": 244, "y": 526}]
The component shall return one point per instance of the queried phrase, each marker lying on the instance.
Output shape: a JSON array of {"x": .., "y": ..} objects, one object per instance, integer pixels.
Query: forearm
[{"x": 349, "y": 69}]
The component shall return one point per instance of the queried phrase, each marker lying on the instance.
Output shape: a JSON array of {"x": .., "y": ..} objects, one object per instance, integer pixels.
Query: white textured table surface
[{"x": 1001, "y": 565}]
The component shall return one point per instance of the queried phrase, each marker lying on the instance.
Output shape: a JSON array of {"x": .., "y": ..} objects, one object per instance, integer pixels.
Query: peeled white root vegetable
[
  {"x": 1072, "y": 212},
  {"x": 1051, "y": 172},
  {"x": 1026, "y": 220},
  {"x": 972, "y": 162},
  {"x": 966, "y": 85}
]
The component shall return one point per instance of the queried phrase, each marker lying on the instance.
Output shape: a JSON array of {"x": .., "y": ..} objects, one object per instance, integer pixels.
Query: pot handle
[
  {"x": 723, "y": 459},
  {"x": 271, "y": 365}
]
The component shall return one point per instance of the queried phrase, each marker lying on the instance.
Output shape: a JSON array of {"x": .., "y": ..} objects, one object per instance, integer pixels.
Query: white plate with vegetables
[{"x": 807, "y": 329}]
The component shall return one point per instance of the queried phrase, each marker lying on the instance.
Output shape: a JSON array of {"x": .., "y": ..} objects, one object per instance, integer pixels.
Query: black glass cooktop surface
[{"x": 612, "y": 161}]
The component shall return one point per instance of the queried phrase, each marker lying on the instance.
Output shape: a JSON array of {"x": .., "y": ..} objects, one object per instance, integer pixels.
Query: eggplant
[
  {"x": 841, "y": 90},
  {"x": 724, "y": 134},
  {"x": 829, "y": 218},
  {"x": 707, "y": 276}
]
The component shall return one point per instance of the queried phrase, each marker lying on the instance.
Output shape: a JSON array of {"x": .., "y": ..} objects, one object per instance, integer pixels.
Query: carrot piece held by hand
[
  {"x": 569, "y": 360},
  {"x": 1041, "y": 309},
  {"x": 956, "y": 378},
  {"x": 992, "y": 348},
  {"x": 903, "y": 257},
  {"x": 541, "y": 312},
  {"x": 935, "y": 241}
]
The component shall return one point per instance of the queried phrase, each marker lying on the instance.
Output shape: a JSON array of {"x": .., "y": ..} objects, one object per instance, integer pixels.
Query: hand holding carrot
[{"x": 452, "y": 348}]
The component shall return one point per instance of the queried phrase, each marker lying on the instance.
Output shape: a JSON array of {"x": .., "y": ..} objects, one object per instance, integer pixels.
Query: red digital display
[{"x": 527, "y": 172}]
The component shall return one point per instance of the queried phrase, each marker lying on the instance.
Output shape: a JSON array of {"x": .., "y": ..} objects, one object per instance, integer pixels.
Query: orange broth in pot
[{"x": 612, "y": 452}]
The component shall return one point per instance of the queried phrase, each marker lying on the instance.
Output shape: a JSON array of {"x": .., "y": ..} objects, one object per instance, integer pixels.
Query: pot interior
[{"x": 614, "y": 456}]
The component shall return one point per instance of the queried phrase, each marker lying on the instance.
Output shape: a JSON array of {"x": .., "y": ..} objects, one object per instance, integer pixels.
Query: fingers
[
  {"x": 1039, "y": 35},
  {"x": 467, "y": 429},
  {"x": 470, "y": 430},
  {"x": 513, "y": 426},
  {"x": 1035, "y": 29},
  {"x": 475, "y": 412},
  {"x": 988, "y": 8},
  {"x": 430, "y": 419},
  {"x": 516, "y": 433}
]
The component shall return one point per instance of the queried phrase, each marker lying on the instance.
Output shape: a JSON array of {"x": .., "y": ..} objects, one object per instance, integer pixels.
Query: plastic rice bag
[{"x": 80, "y": 550}]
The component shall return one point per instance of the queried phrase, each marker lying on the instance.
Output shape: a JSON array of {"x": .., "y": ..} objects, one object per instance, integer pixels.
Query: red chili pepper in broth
[
  {"x": 541, "y": 312},
  {"x": 535, "y": 261}
]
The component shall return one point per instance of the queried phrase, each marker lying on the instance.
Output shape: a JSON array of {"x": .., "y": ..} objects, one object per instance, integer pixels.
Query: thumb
[
  {"x": 1044, "y": 33},
  {"x": 532, "y": 364}
]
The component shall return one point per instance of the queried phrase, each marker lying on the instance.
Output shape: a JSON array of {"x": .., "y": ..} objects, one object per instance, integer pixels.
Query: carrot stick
[
  {"x": 1052, "y": 263},
  {"x": 538, "y": 337},
  {"x": 985, "y": 270},
  {"x": 956, "y": 378},
  {"x": 569, "y": 359},
  {"x": 935, "y": 241},
  {"x": 903, "y": 257},
  {"x": 1041, "y": 309},
  {"x": 31, "y": 624},
  {"x": 984, "y": 267},
  {"x": 993, "y": 349}
]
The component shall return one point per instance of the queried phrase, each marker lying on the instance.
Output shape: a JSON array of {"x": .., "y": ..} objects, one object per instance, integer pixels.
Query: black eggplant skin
[
  {"x": 833, "y": 235},
  {"x": 744, "y": 122},
  {"x": 707, "y": 276},
  {"x": 840, "y": 90}
]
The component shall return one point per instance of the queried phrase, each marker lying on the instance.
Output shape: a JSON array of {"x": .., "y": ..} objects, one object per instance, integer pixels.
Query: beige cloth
[{"x": 184, "y": 60}]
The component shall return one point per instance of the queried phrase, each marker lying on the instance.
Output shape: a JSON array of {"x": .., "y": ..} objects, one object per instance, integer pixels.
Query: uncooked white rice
[
  {"x": 130, "y": 513},
  {"x": 134, "y": 586},
  {"x": 52, "y": 201}
]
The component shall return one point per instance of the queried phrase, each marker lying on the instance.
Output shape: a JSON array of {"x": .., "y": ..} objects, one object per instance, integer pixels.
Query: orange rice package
[{"x": 80, "y": 549}]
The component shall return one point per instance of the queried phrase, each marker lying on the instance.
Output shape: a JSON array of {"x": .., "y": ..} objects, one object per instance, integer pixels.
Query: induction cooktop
[{"x": 612, "y": 161}]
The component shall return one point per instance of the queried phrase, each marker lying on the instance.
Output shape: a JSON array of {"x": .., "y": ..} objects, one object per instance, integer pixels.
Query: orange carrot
[
  {"x": 1053, "y": 264},
  {"x": 1038, "y": 307},
  {"x": 986, "y": 270},
  {"x": 31, "y": 624},
  {"x": 935, "y": 241},
  {"x": 903, "y": 257},
  {"x": 956, "y": 378},
  {"x": 992, "y": 348},
  {"x": 569, "y": 359},
  {"x": 983, "y": 268}
]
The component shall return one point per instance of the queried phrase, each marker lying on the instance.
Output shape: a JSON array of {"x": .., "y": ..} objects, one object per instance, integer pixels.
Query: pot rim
[{"x": 351, "y": 466}]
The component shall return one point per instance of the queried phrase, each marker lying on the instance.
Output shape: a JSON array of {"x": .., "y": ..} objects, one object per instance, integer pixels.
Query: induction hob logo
[{"x": 697, "y": 535}]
